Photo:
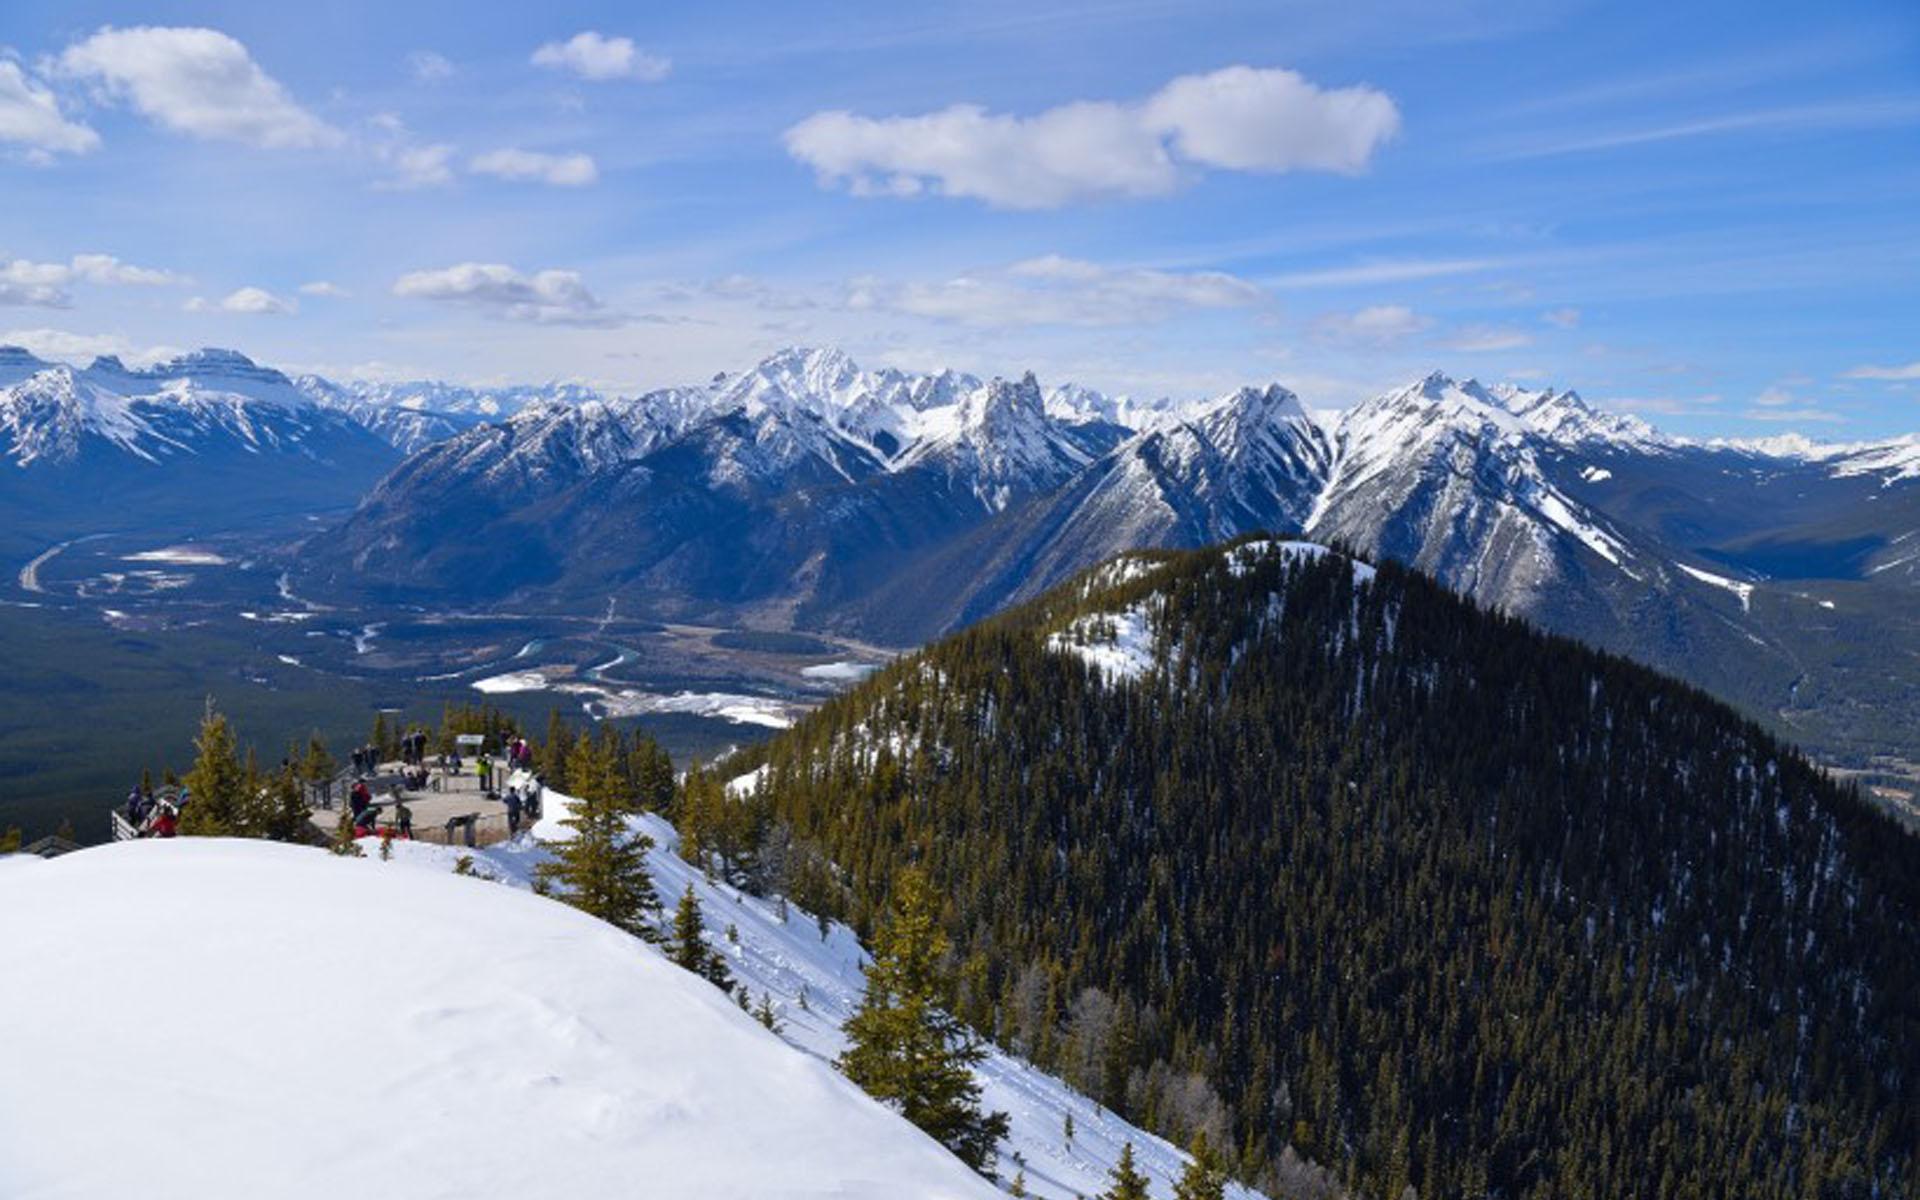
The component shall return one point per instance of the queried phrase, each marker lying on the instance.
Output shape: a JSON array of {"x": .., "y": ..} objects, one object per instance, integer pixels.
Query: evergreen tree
[
  {"x": 765, "y": 1014},
  {"x": 904, "y": 1047},
  {"x": 285, "y": 814},
  {"x": 1126, "y": 1182},
  {"x": 602, "y": 868},
  {"x": 553, "y": 753},
  {"x": 689, "y": 947},
  {"x": 1205, "y": 1178},
  {"x": 317, "y": 764},
  {"x": 218, "y": 803},
  {"x": 10, "y": 840},
  {"x": 382, "y": 739},
  {"x": 1018, "y": 1188}
]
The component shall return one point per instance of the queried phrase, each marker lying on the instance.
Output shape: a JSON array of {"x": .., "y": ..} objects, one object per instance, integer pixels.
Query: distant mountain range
[{"x": 810, "y": 493}]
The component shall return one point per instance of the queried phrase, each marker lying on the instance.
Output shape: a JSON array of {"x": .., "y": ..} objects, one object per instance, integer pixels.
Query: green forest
[{"x": 1376, "y": 890}]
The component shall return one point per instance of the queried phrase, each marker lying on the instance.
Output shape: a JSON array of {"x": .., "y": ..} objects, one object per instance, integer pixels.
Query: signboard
[{"x": 464, "y": 740}]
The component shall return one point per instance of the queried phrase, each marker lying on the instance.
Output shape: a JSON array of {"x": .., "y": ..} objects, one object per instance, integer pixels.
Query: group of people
[
  {"x": 519, "y": 755},
  {"x": 366, "y": 814},
  {"x": 366, "y": 759},
  {"x": 155, "y": 817},
  {"x": 413, "y": 748},
  {"x": 518, "y": 805}
]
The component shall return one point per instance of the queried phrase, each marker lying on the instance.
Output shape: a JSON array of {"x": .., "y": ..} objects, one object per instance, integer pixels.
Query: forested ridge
[{"x": 1363, "y": 873}]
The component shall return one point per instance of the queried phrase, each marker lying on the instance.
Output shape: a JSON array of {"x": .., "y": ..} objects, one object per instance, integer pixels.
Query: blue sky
[{"x": 1707, "y": 213}]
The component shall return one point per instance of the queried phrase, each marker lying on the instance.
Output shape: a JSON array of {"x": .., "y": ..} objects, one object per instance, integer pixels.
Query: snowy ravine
[{"x": 786, "y": 959}]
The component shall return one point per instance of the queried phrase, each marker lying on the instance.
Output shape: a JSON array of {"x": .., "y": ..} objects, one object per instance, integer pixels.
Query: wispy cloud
[
  {"x": 1562, "y": 318},
  {"x": 532, "y": 166},
  {"x": 1054, "y": 290},
  {"x": 1362, "y": 274},
  {"x": 429, "y": 66},
  {"x": 1892, "y": 373},
  {"x": 1485, "y": 339},
  {"x": 1859, "y": 114},
  {"x": 1376, "y": 325}
]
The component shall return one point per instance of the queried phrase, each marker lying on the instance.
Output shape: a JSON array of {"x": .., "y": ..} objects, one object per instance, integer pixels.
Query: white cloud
[
  {"x": 1791, "y": 414},
  {"x": 417, "y": 166},
  {"x": 1362, "y": 274},
  {"x": 559, "y": 170},
  {"x": 1562, "y": 318},
  {"x": 1377, "y": 325},
  {"x": 1238, "y": 118},
  {"x": 195, "y": 81},
  {"x": 45, "y": 284},
  {"x": 31, "y": 117},
  {"x": 252, "y": 301},
  {"x": 599, "y": 58},
  {"x": 1774, "y": 397},
  {"x": 1479, "y": 339},
  {"x": 548, "y": 297},
  {"x": 38, "y": 284},
  {"x": 1054, "y": 290},
  {"x": 1245, "y": 119},
  {"x": 427, "y": 66},
  {"x": 105, "y": 268},
  {"x": 1891, "y": 373},
  {"x": 82, "y": 347},
  {"x": 321, "y": 287}
]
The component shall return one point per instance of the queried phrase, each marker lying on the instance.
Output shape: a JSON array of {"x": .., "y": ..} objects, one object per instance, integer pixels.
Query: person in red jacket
[{"x": 165, "y": 823}]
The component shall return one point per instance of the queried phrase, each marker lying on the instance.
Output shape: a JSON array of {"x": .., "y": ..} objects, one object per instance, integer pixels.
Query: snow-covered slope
[
  {"x": 213, "y": 1019},
  {"x": 814, "y": 984}
]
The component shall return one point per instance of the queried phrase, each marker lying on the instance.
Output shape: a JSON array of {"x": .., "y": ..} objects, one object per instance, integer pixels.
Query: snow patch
[
  {"x": 1742, "y": 590},
  {"x": 840, "y": 672}
]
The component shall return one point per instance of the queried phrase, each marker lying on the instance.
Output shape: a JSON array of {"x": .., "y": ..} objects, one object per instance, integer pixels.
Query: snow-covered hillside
[
  {"x": 814, "y": 983},
  {"x": 221, "y": 1019}
]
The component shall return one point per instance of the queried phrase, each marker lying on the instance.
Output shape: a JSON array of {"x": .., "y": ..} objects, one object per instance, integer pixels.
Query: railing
[{"x": 123, "y": 830}]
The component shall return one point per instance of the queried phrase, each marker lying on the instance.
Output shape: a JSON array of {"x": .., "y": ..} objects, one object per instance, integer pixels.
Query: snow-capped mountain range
[{"x": 810, "y": 492}]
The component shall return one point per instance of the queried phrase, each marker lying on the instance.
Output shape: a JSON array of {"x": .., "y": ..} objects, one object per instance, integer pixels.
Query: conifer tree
[
  {"x": 1204, "y": 1178},
  {"x": 317, "y": 764},
  {"x": 602, "y": 869},
  {"x": 10, "y": 839},
  {"x": 1126, "y": 1181},
  {"x": 284, "y": 811},
  {"x": 689, "y": 948},
  {"x": 904, "y": 1047},
  {"x": 554, "y": 750},
  {"x": 381, "y": 739},
  {"x": 217, "y": 787}
]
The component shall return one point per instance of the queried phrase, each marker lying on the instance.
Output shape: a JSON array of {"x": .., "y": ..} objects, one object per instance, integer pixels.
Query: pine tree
[
  {"x": 218, "y": 803},
  {"x": 317, "y": 765},
  {"x": 765, "y": 1014},
  {"x": 10, "y": 839},
  {"x": 1019, "y": 1186},
  {"x": 381, "y": 739},
  {"x": 602, "y": 869},
  {"x": 1204, "y": 1178},
  {"x": 689, "y": 947},
  {"x": 285, "y": 814},
  {"x": 1127, "y": 1183},
  {"x": 554, "y": 751},
  {"x": 904, "y": 1047}
]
